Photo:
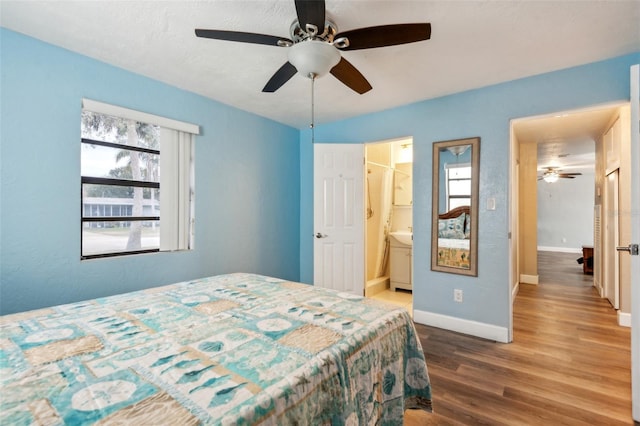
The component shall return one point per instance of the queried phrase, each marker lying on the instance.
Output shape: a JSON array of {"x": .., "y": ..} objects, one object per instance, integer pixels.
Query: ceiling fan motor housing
[{"x": 310, "y": 31}]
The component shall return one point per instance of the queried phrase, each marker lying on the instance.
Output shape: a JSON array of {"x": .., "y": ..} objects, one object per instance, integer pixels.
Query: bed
[
  {"x": 454, "y": 228},
  {"x": 236, "y": 349}
]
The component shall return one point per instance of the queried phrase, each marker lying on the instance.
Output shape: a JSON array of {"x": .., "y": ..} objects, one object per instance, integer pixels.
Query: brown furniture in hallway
[{"x": 587, "y": 255}]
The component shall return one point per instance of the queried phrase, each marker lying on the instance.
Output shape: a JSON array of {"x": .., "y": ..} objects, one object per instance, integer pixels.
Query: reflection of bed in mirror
[{"x": 454, "y": 229}]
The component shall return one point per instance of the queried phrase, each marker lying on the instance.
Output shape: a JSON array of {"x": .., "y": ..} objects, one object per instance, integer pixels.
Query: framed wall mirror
[{"x": 454, "y": 222}]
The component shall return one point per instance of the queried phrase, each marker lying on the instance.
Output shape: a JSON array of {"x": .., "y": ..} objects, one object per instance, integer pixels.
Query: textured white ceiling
[{"x": 473, "y": 44}]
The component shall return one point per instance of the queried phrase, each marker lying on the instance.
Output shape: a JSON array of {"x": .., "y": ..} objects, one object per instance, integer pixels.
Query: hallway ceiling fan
[
  {"x": 552, "y": 174},
  {"x": 315, "y": 45}
]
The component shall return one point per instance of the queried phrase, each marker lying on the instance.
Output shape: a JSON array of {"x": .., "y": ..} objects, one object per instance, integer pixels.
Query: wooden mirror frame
[{"x": 472, "y": 210}]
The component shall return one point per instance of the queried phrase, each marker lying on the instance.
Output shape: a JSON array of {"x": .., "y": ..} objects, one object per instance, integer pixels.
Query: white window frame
[{"x": 176, "y": 177}]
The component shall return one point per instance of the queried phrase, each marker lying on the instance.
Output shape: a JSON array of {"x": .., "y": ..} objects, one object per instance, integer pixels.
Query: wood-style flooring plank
[{"x": 569, "y": 363}]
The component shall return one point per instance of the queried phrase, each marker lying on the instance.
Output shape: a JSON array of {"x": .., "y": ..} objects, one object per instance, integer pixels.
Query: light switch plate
[{"x": 491, "y": 203}]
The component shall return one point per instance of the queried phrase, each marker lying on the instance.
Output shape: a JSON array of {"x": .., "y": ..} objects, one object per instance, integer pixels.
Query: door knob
[
  {"x": 631, "y": 248},
  {"x": 320, "y": 235}
]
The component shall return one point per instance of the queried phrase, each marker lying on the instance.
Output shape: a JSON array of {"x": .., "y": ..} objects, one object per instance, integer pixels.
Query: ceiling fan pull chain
[{"x": 313, "y": 136}]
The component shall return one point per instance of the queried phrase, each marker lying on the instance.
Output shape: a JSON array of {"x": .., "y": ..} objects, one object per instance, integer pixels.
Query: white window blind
[{"x": 176, "y": 188}]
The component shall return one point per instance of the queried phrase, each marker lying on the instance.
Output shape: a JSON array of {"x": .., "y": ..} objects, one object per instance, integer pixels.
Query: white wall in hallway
[{"x": 565, "y": 213}]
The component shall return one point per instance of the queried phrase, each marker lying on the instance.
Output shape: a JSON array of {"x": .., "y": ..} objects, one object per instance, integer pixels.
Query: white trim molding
[
  {"x": 560, "y": 249},
  {"x": 529, "y": 279},
  {"x": 473, "y": 328},
  {"x": 624, "y": 319},
  {"x": 514, "y": 292}
]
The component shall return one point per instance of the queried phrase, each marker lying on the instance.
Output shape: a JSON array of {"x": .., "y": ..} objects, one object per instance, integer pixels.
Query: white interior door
[
  {"x": 611, "y": 237},
  {"x": 635, "y": 239},
  {"x": 338, "y": 249}
]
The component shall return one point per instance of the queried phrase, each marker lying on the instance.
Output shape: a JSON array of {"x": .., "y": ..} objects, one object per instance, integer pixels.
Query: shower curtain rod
[{"x": 373, "y": 163}]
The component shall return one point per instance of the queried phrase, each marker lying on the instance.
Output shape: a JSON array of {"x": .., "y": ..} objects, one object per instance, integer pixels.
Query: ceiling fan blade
[
  {"x": 566, "y": 177},
  {"x": 569, "y": 174},
  {"x": 311, "y": 12},
  {"x": 243, "y": 37},
  {"x": 281, "y": 76},
  {"x": 350, "y": 76},
  {"x": 385, "y": 35}
]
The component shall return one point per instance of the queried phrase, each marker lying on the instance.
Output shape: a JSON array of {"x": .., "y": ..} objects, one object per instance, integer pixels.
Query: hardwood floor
[{"x": 569, "y": 363}]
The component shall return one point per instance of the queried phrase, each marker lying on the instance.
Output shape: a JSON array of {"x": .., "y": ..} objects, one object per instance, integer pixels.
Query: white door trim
[{"x": 635, "y": 238}]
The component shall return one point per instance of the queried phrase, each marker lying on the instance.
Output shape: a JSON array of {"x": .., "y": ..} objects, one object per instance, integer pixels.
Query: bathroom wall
[
  {"x": 377, "y": 153},
  {"x": 403, "y": 186},
  {"x": 402, "y": 218}
]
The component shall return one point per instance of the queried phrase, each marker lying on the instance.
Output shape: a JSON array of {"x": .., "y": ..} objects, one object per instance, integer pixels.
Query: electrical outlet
[{"x": 457, "y": 295}]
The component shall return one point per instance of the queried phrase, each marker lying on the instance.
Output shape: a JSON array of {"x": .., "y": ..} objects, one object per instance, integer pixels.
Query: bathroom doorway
[{"x": 389, "y": 221}]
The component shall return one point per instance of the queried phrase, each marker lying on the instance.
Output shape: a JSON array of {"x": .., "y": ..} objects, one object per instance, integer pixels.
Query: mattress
[{"x": 237, "y": 349}]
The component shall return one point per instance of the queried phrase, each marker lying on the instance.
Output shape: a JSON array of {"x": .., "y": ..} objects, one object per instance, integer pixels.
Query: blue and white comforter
[{"x": 238, "y": 349}]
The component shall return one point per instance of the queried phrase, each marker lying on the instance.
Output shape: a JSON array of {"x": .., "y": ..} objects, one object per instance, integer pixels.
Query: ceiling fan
[
  {"x": 315, "y": 45},
  {"x": 552, "y": 174}
]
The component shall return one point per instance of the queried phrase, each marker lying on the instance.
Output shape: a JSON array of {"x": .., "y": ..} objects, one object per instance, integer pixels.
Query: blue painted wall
[
  {"x": 247, "y": 182},
  {"x": 254, "y": 178},
  {"x": 486, "y": 113}
]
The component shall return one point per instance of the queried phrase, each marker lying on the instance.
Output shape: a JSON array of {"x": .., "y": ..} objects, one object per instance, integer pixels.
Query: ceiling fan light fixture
[
  {"x": 313, "y": 58},
  {"x": 458, "y": 149},
  {"x": 550, "y": 177}
]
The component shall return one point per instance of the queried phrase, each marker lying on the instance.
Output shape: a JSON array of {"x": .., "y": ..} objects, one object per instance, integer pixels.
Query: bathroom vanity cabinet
[{"x": 400, "y": 267}]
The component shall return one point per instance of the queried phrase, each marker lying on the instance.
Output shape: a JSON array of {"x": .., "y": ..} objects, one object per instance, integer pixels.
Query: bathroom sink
[{"x": 403, "y": 237}]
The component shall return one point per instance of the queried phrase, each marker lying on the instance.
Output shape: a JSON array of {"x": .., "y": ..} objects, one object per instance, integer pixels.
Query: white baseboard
[
  {"x": 473, "y": 328},
  {"x": 560, "y": 249},
  {"x": 529, "y": 279},
  {"x": 624, "y": 319},
  {"x": 598, "y": 287}
]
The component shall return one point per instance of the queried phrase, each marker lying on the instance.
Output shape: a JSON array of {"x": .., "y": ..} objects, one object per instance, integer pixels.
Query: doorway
[
  {"x": 351, "y": 187},
  {"x": 389, "y": 212},
  {"x": 559, "y": 131}
]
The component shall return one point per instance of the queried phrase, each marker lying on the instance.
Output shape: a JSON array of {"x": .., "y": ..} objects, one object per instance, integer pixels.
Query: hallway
[
  {"x": 562, "y": 268},
  {"x": 569, "y": 362}
]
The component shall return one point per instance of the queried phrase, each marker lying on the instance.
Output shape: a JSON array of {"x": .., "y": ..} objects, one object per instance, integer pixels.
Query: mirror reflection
[{"x": 455, "y": 206}]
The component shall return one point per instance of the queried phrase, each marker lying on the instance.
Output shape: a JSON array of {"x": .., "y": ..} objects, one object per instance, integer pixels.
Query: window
[
  {"x": 137, "y": 182},
  {"x": 458, "y": 190}
]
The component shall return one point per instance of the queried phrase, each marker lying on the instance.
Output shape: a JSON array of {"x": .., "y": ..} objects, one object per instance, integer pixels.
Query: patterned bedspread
[{"x": 236, "y": 349}]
